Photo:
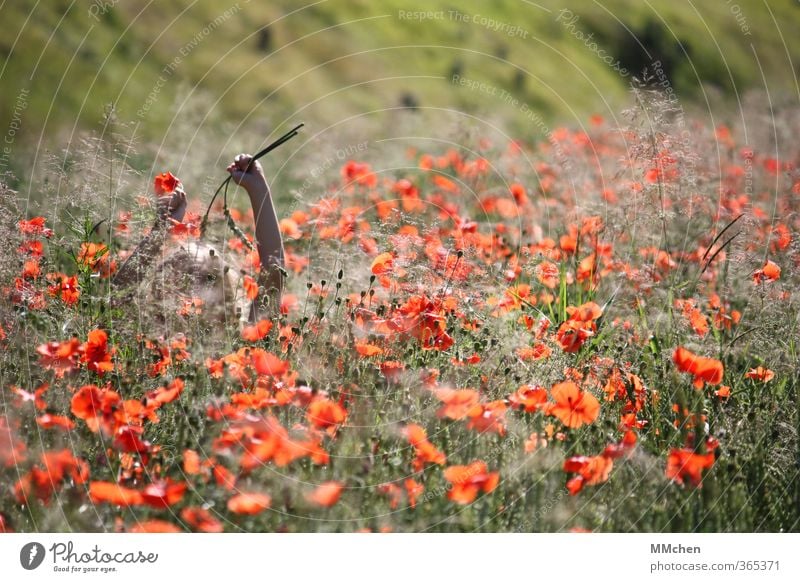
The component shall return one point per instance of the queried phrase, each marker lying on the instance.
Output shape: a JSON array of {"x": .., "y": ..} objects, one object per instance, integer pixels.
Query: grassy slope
[{"x": 85, "y": 64}]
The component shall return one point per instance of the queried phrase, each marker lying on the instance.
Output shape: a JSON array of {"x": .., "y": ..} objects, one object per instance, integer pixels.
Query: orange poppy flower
[
  {"x": 61, "y": 357},
  {"x": 249, "y": 503},
  {"x": 580, "y": 326},
  {"x": 687, "y": 466},
  {"x": 325, "y": 414},
  {"x": 591, "y": 471},
  {"x": 105, "y": 492},
  {"x": 254, "y": 333},
  {"x": 761, "y": 374},
  {"x": 573, "y": 407},
  {"x": 723, "y": 392},
  {"x": 326, "y": 494},
  {"x": 191, "y": 462},
  {"x": 267, "y": 364},
  {"x": 201, "y": 520},
  {"x": 368, "y": 350},
  {"x": 162, "y": 494},
  {"x": 165, "y": 183},
  {"x": 704, "y": 370},
  {"x": 250, "y": 287},
  {"x": 165, "y": 394},
  {"x": 96, "y": 354},
  {"x": 529, "y": 398},
  {"x": 55, "y": 421},
  {"x": 382, "y": 264},
  {"x": 457, "y": 404},
  {"x": 468, "y": 480},
  {"x": 426, "y": 451},
  {"x": 489, "y": 417},
  {"x": 34, "y": 226},
  {"x": 548, "y": 274},
  {"x": 94, "y": 406},
  {"x": 769, "y": 272}
]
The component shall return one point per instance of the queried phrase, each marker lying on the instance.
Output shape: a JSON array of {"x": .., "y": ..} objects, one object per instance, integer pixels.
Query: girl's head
[{"x": 193, "y": 285}]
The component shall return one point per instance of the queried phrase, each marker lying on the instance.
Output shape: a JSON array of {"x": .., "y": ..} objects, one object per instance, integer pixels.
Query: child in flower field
[{"x": 195, "y": 276}]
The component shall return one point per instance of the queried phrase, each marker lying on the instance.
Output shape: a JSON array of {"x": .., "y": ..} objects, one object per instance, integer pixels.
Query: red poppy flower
[
  {"x": 529, "y": 398},
  {"x": 34, "y": 226},
  {"x": 326, "y": 494},
  {"x": 254, "y": 333},
  {"x": 687, "y": 466},
  {"x": 573, "y": 407},
  {"x": 249, "y": 503},
  {"x": 165, "y": 183},
  {"x": 60, "y": 357},
  {"x": 105, "y": 492},
  {"x": 769, "y": 272},
  {"x": 323, "y": 413},
  {"x": 469, "y": 480},
  {"x": 96, "y": 354},
  {"x": 591, "y": 471},
  {"x": 95, "y": 406},
  {"x": 489, "y": 417},
  {"x": 426, "y": 451},
  {"x": 201, "y": 520},
  {"x": 55, "y": 421},
  {"x": 457, "y": 404},
  {"x": 761, "y": 374},
  {"x": 250, "y": 287},
  {"x": 382, "y": 264},
  {"x": 704, "y": 370},
  {"x": 162, "y": 494}
]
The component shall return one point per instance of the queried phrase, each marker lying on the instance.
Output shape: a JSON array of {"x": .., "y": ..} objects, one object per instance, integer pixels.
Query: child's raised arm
[
  {"x": 268, "y": 234},
  {"x": 142, "y": 257}
]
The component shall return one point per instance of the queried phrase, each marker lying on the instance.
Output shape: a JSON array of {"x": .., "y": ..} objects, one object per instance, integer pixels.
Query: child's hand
[
  {"x": 172, "y": 205},
  {"x": 252, "y": 180}
]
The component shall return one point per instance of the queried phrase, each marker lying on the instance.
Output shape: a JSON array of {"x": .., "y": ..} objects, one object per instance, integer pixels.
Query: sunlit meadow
[{"x": 593, "y": 331}]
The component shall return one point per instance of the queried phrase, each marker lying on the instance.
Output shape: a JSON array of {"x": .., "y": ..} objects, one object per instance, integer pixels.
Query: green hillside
[{"x": 65, "y": 60}]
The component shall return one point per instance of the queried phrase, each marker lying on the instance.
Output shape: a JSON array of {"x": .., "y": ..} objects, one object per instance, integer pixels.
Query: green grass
[{"x": 340, "y": 58}]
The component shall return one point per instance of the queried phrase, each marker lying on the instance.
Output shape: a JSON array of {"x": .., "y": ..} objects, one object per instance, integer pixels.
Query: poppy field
[{"x": 596, "y": 331}]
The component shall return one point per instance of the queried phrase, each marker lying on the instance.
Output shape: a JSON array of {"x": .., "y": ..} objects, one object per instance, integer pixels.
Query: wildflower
[
  {"x": 256, "y": 332},
  {"x": 591, "y": 471},
  {"x": 325, "y": 414},
  {"x": 457, "y": 404},
  {"x": 249, "y": 503},
  {"x": 200, "y": 519},
  {"x": 96, "y": 354},
  {"x": 469, "y": 480},
  {"x": 579, "y": 327},
  {"x": 64, "y": 287},
  {"x": 326, "y": 494},
  {"x": 704, "y": 370},
  {"x": 687, "y": 466},
  {"x": 61, "y": 357},
  {"x": 165, "y": 183},
  {"x": 55, "y": 421},
  {"x": 761, "y": 374},
  {"x": 769, "y": 272},
  {"x": 161, "y": 494},
  {"x": 426, "y": 452},
  {"x": 34, "y": 226},
  {"x": 573, "y": 407},
  {"x": 113, "y": 493},
  {"x": 529, "y": 398}
]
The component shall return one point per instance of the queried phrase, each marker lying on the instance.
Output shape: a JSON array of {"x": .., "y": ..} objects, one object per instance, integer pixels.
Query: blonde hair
[{"x": 193, "y": 284}]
